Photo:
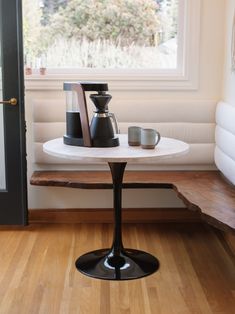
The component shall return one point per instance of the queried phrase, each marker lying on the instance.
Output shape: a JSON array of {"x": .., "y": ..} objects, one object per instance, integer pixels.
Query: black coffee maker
[{"x": 78, "y": 131}]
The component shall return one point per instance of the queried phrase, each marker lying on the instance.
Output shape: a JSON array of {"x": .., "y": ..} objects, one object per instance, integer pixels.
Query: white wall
[
  {"x": 229, "y": 77},
  {"x": 225, "y": 115},
  {"x": 210, "y": 89}
]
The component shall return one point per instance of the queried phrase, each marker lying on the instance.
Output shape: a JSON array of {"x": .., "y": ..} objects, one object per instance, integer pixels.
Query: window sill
[{"x": 117, "y": 81}]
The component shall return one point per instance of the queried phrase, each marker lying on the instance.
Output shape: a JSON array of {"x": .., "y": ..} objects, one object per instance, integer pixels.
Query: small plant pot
[
  {"x": 42, "y": 71},
  {"x": 28, "y": 71}
]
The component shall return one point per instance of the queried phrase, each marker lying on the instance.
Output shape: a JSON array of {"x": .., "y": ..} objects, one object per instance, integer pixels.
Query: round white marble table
[{"x": 117, "y": 262}]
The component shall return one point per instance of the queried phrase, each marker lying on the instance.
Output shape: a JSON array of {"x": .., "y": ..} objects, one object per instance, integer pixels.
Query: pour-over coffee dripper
[
  {"x": 78, "y": 130},
  {"x": 102, "y": 132}
]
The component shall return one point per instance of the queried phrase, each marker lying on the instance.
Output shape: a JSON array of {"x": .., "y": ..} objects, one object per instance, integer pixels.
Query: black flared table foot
[{"x": 130, "y": 264}]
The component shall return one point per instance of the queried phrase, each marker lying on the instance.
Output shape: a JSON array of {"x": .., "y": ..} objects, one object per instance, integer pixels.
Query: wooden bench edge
[{"x": 106, "y": 184}]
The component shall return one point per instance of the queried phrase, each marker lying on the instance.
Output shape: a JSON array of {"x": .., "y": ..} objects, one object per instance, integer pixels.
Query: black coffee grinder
[{"x": 78, "y": 132}]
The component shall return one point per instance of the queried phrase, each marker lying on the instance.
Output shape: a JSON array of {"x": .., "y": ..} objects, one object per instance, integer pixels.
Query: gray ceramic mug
[
  {"x": 134, "y": 135},
  {"x": 149, "y": 138}
]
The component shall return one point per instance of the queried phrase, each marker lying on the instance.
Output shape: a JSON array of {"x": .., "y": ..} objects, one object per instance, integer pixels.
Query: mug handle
[{"x": 159, "y": 137}]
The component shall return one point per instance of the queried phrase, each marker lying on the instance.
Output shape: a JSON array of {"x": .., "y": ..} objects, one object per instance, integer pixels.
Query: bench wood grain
[{"x": 204, "y": 191}]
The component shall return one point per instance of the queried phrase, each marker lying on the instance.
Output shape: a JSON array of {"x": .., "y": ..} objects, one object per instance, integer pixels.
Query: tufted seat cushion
[
  {"x": 225, "y": 140},
  {"x": 192, "y": 122}
]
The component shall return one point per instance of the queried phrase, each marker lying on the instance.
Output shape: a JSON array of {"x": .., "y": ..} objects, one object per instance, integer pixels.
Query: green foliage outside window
[
  {"x": 123, "y": 21},
  {"x": 116, "y": 28}
]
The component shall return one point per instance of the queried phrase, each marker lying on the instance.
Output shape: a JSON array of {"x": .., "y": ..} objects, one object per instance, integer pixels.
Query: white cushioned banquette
[
  {"x": 225, "y": 140},
  {"x": 190, "y": 121}
]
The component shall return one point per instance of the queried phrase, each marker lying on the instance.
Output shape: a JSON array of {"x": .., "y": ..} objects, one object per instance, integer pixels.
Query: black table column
[{"x": 117, "y": 263}]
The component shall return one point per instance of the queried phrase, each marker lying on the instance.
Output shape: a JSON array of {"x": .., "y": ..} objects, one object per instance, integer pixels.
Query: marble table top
[{"x": 167, "y": 147}]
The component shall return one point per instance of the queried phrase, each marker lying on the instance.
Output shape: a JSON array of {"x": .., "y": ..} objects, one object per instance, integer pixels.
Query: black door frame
[{"x": 13, "y": 201}]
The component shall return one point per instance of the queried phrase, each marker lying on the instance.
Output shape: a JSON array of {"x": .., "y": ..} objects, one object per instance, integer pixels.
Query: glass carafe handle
[{"x": 112, "y": 116}]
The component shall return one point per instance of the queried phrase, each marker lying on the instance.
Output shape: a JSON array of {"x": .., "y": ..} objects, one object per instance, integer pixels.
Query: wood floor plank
[
  {"x": 211, "y": 274},
  {"x": 38, "y": 274}
]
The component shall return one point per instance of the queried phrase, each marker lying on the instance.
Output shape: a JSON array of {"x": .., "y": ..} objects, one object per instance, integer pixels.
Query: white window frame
[{"x": 185, "y": 77}]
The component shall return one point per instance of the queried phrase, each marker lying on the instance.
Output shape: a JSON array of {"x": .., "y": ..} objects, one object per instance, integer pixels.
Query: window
[{"x": 132, "y": 39}]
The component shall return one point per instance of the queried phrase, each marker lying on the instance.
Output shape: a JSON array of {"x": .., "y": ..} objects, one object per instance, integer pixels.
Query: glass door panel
[
  {"x": 2, "y": 152},
  {"x": 2, "y": 145}
]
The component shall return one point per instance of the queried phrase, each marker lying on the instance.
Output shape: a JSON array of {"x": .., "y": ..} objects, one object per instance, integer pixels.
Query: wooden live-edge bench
[{"x": 207, "y": 192}]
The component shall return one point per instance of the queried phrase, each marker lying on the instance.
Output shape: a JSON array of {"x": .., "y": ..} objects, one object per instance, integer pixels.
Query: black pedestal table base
[
  {"x": 130, "y": 264},
  {"x": 117, "y": 263}
]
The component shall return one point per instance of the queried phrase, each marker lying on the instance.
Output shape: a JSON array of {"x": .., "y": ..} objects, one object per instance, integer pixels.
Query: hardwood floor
[{"x": 37, "y": 272}]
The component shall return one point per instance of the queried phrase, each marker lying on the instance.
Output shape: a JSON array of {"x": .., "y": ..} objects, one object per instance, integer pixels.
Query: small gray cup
[
  {"x": 149, "y": 138},
  {"x": 134, "y": 135}
]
